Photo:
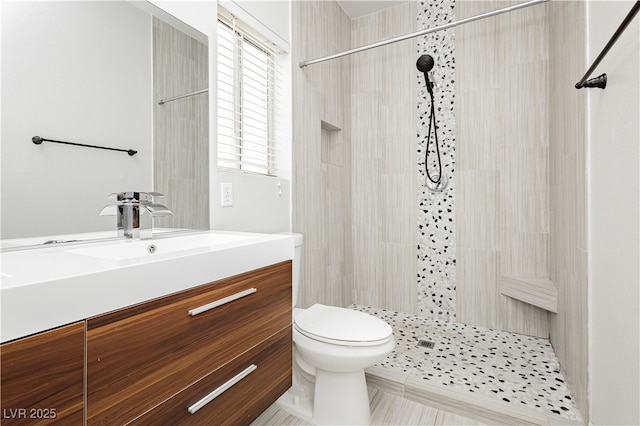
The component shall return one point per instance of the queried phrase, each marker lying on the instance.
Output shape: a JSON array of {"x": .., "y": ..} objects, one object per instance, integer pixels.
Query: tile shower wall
[
  {"x": 354, "y": 149},
  {"x": 359, "y": 194},
  {"x": 568, "y": 200},
  {"x": 181, "y": 127},
  {"x": 436, "y": 248},
  {"x": 383, "y": 200},
  {"x": 321, "y": 152},
  {"x": 502, "y": 201}
]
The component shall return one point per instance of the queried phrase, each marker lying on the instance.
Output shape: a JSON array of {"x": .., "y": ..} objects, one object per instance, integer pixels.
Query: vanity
[{"x": 195, "y": 331}]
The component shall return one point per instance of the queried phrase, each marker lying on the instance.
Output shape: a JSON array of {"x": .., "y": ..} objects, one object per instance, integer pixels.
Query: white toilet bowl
[{"x": 332, "y": 348}]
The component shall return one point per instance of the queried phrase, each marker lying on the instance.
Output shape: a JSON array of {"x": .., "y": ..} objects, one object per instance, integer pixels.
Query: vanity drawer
[
  {"x": 141, "y": 356},
  {"x": 260, "y": 375},
  {"x": 43, "y": 378}
]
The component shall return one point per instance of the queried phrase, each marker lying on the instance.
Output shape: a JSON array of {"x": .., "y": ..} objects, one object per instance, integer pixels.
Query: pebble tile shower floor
[{"x": 512, "y": 368}]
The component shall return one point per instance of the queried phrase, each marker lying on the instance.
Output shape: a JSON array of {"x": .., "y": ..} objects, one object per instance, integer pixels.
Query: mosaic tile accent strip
[
  {"x": 508, "y": 367},
  {"x": 436, "y": 226}
]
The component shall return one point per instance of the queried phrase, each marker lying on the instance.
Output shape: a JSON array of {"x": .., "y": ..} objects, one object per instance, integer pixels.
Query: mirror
[{"x": 93, "y": 73}]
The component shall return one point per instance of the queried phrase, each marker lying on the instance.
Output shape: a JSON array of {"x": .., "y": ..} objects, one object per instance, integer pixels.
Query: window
[{"x": 246, "y": 86}]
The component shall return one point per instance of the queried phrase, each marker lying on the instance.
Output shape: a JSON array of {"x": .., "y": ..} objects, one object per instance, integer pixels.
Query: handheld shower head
[
  {"x": 425, "y": 64},
  {"x": 437, "y": 183}
]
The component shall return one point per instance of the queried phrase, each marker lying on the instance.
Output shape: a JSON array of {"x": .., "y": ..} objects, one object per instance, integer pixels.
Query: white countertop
[{"x": 56, "y": 285}]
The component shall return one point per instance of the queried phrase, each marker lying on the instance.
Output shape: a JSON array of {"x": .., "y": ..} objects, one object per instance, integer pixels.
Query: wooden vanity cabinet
[
  {"x": 42, "y": 378},
  {"x": 150, "y": 362},
  {"x": 262, "y": 374}
]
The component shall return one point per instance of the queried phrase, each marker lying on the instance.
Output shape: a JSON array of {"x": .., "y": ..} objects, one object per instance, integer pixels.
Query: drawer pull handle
[
  {"x": 220, "y": 302},
  {"x": 219, "y": 391}
]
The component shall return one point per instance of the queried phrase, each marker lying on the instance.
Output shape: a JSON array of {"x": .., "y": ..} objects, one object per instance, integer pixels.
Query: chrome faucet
[{"x": 135, "y": 212}]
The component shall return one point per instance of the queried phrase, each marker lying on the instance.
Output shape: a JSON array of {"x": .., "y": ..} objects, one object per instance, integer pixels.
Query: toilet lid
[{"x": 342, "y": 326}]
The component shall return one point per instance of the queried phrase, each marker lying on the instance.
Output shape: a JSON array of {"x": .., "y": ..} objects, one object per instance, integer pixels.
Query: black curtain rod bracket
[
  {"x": 38, "y": 140},
  {"x": 601, "y": 81}
]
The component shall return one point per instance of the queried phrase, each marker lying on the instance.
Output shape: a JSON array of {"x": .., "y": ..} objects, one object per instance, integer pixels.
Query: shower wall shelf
[{"x": 540, "y": 292}]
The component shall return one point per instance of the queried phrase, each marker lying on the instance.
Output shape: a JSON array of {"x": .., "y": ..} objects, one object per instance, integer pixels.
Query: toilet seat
[{"x": 341, "y": 326}]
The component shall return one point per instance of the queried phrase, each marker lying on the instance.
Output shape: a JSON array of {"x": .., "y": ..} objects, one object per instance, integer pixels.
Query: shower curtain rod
[
  {"x": 423, "y": 32},
  {"x": 175, "y": 98}
]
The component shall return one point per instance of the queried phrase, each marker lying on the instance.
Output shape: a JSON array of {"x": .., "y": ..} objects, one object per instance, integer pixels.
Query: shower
[{"x": 436, "y": 182}]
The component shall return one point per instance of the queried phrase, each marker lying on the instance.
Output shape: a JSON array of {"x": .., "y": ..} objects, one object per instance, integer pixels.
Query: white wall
[
  {"x": 614, "y": 201},
  {"x": 259, "y": 204},
  {"x": 200, "y": 15},
  {"x": 87, "y": 94}
]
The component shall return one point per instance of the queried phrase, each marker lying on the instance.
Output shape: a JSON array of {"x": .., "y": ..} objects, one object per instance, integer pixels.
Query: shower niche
[{"x": 331, "y": 147}]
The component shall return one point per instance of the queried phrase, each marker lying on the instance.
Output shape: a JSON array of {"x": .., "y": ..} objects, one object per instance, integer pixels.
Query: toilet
[{"x": 332, "y": 348}]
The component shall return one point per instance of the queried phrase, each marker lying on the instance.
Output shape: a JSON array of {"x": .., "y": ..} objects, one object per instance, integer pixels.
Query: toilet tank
[{"x": 297, "y": 261}]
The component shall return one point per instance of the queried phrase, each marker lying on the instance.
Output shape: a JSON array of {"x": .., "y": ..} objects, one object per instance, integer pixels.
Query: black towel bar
[
  {"x": 38, "y": 140},
  {"x": 601, "y": 80}
]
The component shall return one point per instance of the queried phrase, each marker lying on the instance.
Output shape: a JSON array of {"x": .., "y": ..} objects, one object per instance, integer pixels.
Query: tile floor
[
  {"x": 512, "y": 369},
  {"x": 386, "y": 409}
]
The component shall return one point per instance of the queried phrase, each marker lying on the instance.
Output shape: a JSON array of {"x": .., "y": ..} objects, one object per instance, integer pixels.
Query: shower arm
[{"x": 423, "y": 32}]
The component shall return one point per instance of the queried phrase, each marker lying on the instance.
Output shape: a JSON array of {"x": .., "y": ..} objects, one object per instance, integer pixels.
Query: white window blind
[{"x": 246, "y": 101}]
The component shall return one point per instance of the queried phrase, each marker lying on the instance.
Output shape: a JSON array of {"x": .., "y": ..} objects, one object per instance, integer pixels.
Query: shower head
[
  {"x": 425, "y": 64},
  {"x": 437, "y": 183}
]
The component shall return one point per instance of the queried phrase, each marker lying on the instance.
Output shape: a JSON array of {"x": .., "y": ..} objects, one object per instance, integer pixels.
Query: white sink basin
[{"x": 127, "y": 250}]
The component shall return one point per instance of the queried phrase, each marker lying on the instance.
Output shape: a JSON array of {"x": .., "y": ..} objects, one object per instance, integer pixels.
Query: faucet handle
[
  {"x": 109, "y": 210},
  {"x": 140, "y": 196},
  {"x": 125, "y": 195},
  {"x": 135, "y": 195},
  {"x": 158, "y": 210},
  {"x": 153, "y": 196}
]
